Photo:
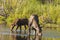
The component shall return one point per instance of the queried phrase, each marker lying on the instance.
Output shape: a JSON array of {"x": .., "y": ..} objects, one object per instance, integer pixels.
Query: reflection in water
[
  {"x": 48, "y": 34},
  {"x": 37, "y": 38},
  {"x": 25, "y": 37},
  {"x": 18, "y": 37}
]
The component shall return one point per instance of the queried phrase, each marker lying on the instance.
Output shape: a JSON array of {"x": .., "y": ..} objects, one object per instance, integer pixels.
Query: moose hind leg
[
  {"x": 20, "y": 29},
  {"x": 25, "y": 28},
  {"x": 37, "y": 31}
]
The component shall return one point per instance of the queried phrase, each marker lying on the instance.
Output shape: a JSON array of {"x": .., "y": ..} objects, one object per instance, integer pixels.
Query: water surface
[{"x": 47, "y": 34}]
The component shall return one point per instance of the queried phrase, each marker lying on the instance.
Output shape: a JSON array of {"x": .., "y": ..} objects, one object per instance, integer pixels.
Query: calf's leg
[
  {"x": 20, "y": 29},
  {"x": 12, "y": 27}
]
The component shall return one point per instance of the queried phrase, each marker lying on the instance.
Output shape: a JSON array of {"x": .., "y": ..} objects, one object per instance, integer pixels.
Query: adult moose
[
  {"x": 19, "y": 23},
  {"x": 34, "y": 23}
]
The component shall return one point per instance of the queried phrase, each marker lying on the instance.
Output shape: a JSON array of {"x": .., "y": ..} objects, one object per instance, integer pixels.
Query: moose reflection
[
  {"x": 23, "y": 37},
  {"x": 19, "y": 23},
  {"x": 17, "y": 36}
]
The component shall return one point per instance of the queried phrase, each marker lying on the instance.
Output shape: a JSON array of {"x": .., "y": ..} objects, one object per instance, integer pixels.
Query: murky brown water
[{"x": 47, "y": 34}]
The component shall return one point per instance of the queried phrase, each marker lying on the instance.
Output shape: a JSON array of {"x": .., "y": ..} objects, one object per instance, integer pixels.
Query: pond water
[{"x": 47, "y": 34}]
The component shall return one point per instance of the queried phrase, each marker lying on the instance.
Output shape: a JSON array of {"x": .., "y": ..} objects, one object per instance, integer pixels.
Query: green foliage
[
  {"x": 2, "y": 19},
  {"x": 24, "y": 8}
]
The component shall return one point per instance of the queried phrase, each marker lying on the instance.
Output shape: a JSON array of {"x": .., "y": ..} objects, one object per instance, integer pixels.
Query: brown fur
[
  {"x": 19, "y": 23},
  {"x": 34, "y": 22}
]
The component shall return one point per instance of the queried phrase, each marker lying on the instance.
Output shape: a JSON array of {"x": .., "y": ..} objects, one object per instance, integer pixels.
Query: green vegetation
[{"x": 47, "y": 10}]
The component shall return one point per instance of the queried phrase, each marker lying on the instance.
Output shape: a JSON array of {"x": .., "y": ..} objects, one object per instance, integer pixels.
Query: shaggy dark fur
[{"x": 19, "y": 23}]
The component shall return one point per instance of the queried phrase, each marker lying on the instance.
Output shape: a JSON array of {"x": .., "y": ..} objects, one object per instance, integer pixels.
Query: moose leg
[
  {"x": 29, "y": 30},
  {"x": 12, "y": 27},
  {"x": 34, "y": 30},
  {"x": 37, "y": 31},
  {"x": 20, "y": 29},
  {"x": 25, "y": 28},
  {"x": 16, "y": 28}
]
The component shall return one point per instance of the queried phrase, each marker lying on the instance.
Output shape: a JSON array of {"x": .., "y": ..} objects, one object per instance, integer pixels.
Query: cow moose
[
  {"x": 34, "y": 23},
  {"x": 19, "y": 23}
]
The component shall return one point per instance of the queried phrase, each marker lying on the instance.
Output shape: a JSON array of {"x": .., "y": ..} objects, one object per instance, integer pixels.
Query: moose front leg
[
  {"x": 12, "y": 27},
  {"x": 29, "y": 31},
  {"x": 25, "y": 28}
]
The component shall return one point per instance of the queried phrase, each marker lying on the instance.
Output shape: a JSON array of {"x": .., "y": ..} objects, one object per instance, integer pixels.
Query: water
[{"x": 47, "y": 34}]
